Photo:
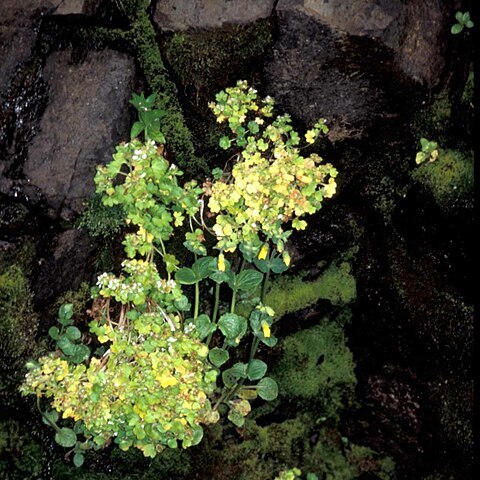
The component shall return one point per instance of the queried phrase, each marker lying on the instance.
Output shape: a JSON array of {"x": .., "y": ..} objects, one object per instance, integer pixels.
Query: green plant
[
  {"x": 429, "y": 151},
  {"x": 152, "y": 381},
  {"x": 101, "y": 221},
  {"x": 463, "y": 20}
]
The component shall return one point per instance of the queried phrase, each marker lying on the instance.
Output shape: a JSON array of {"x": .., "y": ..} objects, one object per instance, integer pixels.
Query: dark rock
[
  {"x": 17, "y": 33},
  {"x": 415, "y": 30},
  {"x": 87, "y": 115},
  {"x": 316, "y": 71},
  {"x": 175, "y": 15},
  {"x": 69, "y": 7},
  {"x": 66, "y": 268}
]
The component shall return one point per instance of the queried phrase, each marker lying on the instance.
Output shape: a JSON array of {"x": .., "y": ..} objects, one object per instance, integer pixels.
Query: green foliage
[
  {"x": 449, "y": 178},
  {"x": 291, "y": 294},
  {"x": 316, "y": 364},
  {"x": 99, "y": 220},
  {"x": 207, "y": 60},
  {"x": 151, "y": 381},
  {"x": 21, "y": 458},
  {"x": 272, "y": 183},
  {"x": 463, "y": 20},
  {"x": 149, "y": 117},
  {"x": 429, "y": 151},
  {"x": 18, "y": 325},
  {"x": 290, "y": 474}
]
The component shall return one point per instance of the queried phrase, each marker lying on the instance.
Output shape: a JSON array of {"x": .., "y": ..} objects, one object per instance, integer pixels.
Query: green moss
[
  {"x": 18, "y": 322},
  {"x": 291, "y": 294},
  {"x": 21, "y": 458},
  {"x": 449, "y": 178},
  {"x": 208, "y": 59},
  {"x": 179, "y": 140},
  {"x": 316, "y": 364},
  {"x": 468, "y": 91}
]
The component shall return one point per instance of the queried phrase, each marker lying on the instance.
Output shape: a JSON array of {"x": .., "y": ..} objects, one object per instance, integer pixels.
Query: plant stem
[
  {"x": 232, "y": 306},
  {"x": 197, "y": 300},
  {"x": 53, "y": 424},
  {"x": 215, "y": 311}
]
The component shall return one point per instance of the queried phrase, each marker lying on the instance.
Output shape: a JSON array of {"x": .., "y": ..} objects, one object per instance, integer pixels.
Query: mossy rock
[
  {"x": 291, "y": 294},
  {"x": 21, "y": 457},
  {"x": 316, "y": 365},
  {"x": 449, "y": 178}
]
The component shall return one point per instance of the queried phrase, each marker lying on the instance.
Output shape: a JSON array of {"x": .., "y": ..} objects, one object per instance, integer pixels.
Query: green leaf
[
  {"x": 239, "y": 370},
  {"x": 277, "y": 265},
  {"x": 150, "y": 451},
  {"x": 186, "y": 276},
  {"x": 457, "y": 28},
  {"x": 469, "y": 24},
  {"x": 253, "y": 126},
  {"x": 73, "y": 333},
  {"x": 204, "y": 267},
  {"x": 66, "y": 437},
  {"x": 78, "y": 459},
  {"x": 65, "y": 313},
  {"x": 248, "y": 279},
  {"x": 204, "y": 326},
  {"x": 51, "y": 415},
  {"x": 228, "y": 378},
  {"x": 171, "y": 263},
  {"x": 218, "y": 356},
  {"x": 137, "y": 129},
  {"x": 256, "y": 369},
  {"x": 466, "y": 17},
  {"x": 233, "y": 326},
  {"x": 267, "y": 389},
  {"x": 236, "y": 418},
  {"x": 225, "y": 143},
  {"x": 459, "y": 16},
  {"x": 80, "y": 353},
  {"x": 217, "y": 173},
  {"x": 197, "y": 435},
  {"x": 65, "y": 345},
  {"x": 311, "y": 476},
  {"x": 54, "y": 333}
]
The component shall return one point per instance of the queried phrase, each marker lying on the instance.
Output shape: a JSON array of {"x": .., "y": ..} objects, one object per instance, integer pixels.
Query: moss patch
[
  {"x": 449, "y": 178},
  {"x": 291, "y": 294},
  {"x": 316, "y": 364}
]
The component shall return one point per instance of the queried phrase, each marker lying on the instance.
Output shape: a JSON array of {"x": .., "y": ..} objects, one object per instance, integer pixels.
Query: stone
[
  {"x": 17, "y": 33},
  {"x": 315, "y": 72},
  {"x": 66, "y": 267},
  {"x": 70, "y": 7},
  {"x": 175, "y": 15},
  {"x": 414, "y": 30},
  {"x": 86, "y": 116}
]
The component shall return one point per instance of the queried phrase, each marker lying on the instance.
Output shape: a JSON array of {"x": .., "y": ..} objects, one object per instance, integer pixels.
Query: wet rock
[
  {"x": 18, "y": 21},
  {"x": 174, "y": 15},
  {"x": 66, "y": 267},
  {"x": 86, "y": 116},
  {"x": 69, "y": 7},
  {"x": 317, "y": 71},
  {"x": 415, "y": 30}
]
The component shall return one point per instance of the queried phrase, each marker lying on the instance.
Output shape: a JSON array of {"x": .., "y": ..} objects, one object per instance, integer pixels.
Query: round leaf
[
  {"x": 204, "y": 326},
  {"x": 73, "y": 333},
  {"x": 78, "y": 459},
  {"x": 256, "y": 369},
  {"x": 66, "y": 437},
  {"x": 218, "y": 356},
  {"x": 267, "y": 389},
  {"x": 248, "y": 279},
  {"x": 54, "y": 333},
  {"x": 50, "y": 417},
  {"x": 232, "y": 325},
  {"x": 186, "y": 276},
  {"x": 239, "y": 370},
  {"x": 236, "y": 418},
  {"x": 457, "y": 28}
]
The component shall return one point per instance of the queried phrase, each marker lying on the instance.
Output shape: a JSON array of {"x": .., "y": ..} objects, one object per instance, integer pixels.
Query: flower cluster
[{"x": 271, "y": 183}]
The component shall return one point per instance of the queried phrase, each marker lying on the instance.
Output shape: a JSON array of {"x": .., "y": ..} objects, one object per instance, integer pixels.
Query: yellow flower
[
  {"x": 266, "y": 329},
  {"x": 331, "y": 188},
  {"x": 167, "y": 380},
  {"x": 221, "y": 262},
  {"x": 263, "y": 252}
]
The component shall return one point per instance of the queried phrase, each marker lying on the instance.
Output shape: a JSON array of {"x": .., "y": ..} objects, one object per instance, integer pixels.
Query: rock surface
[
  {"x": 66, "y": 268},
  {"x": 174, "y": 15},
  {"x": 87, "y": 115},
  {"x": 415, "y": 30},
  {"x": 17, "y": 33},
  {"x": 317, "y": 72}
]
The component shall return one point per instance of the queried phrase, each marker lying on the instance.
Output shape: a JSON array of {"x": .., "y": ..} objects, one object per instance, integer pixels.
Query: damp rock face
[
  {"x": 86, "y": 116},
  {"x": 343, "y": 60},
  {"x": 415, "y": 30},
  {"x": 17, "y": 33},
  {"x": 66, "y": 268},
  {"x": 175, "y": 15}
]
